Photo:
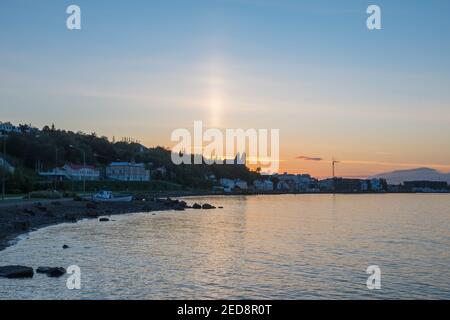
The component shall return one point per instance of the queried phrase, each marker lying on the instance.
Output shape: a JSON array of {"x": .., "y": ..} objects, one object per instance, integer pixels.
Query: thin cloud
[{"x": 309, "y": 158}]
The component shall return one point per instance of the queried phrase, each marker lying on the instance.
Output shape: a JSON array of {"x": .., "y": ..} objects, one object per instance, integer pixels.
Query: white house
[
  {"x": 127, "y": 171},
  {"x": 79, "y": 172},
  {"x": 73, "y": 172}
]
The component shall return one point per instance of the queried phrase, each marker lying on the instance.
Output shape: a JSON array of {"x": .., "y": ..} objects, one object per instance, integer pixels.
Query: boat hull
[{"x": 118, "y": 199}]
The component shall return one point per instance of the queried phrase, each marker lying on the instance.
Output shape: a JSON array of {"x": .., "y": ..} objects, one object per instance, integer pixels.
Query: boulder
[
  {"x": 52, "y": 272},
  {"x": 196, "y": 206},
  {"x": 92, "y": 214},
  {"x": 13, "y": 272},
  {"x": 207, "y": 206},
  {"x": 178, "y": 208},
  {"x": 103, "y": 219},
  {"x": 28, "y": 212},
  {"x": 91, "y": 205},
  {"x": 183, "y": 204}
]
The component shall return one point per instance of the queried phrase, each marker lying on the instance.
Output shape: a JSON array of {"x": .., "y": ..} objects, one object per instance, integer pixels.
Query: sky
[{"x": 375, "y": 100}]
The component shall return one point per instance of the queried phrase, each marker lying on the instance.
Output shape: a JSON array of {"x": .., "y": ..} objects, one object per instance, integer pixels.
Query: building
[
  {"x": 287, "y": 182},
  {"x": 77, "y": 172},
  {"x": 365, "y": 185},
  {"x": 342, "y": 185},
  {"x": 394, "y": 188},
  {"x": 5, "y": 165},
  {"x": 426, "y": 186},
  {"x": 296, "y": 183},
  {"x": 7, "y": 127},
  {"x": 377, "y": 185},
  {"x": 326, "y": 185},
  {"x": 305, "y": 183},
  {"x": 127, "y": 171},
  {"x": 240, "y": 184},
  {"x": 227, "y": 184},
  {"x": 59, "y": 174},
  {"x": 230, "y": 185},
  {"x": 72, "y": 172},
  {"x": 263, "y": 185}
]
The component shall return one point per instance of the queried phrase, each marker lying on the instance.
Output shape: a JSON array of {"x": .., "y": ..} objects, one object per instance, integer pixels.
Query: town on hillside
[{"x": 35, "y": 159}]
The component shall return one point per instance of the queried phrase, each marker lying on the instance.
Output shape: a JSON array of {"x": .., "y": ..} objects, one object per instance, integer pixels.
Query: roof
[
  {"x": 128, "y": 164},
  {"x": 80, "y": 166}
]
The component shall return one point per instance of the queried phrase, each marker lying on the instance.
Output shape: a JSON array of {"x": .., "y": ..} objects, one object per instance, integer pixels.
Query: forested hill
[{"x": 49, "y": 147}]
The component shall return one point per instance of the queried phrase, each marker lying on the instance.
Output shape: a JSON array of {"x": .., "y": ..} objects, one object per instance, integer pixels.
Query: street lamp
[{"x": 84, "y": 166}]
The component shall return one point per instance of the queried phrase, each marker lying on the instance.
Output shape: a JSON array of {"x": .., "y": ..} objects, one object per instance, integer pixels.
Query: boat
[{"x": 107, "y": 196}]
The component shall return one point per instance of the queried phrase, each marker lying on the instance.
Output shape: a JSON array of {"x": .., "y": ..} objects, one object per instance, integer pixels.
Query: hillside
[
  {"x": 399, "y": 176},
  {"x": 52, "y": 147}
]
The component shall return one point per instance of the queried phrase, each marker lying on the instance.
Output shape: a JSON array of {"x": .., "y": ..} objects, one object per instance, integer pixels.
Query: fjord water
[{"x": 258, "y": 247}]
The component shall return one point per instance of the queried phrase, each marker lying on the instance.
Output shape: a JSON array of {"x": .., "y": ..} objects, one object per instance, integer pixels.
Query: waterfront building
[
  {"x": 230, "y": 185},
  {"x": 72, "y": 172},
  {"x": 263, "y": 185},
  {"x": 296, "y": 183},
  {"x": 376, "y": 185},
  {"x": 426, "y": 186},
  {"x": 365, "y": 185},
  {"x": 127, "y": 171},
  {"x": 227, "y": 184},
  {"x": 77, "y": 172},
  {"x": 240, "y": 184}
]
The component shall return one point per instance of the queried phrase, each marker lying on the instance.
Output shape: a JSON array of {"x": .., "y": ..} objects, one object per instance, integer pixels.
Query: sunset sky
[{"x": 376, "y": 100}]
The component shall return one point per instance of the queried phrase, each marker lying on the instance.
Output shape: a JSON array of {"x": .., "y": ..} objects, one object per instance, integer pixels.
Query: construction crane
[{"x": 333, "y": 163}]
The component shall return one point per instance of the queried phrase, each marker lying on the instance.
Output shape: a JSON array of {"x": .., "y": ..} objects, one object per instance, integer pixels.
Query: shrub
[{"x": 45, "y": 195}]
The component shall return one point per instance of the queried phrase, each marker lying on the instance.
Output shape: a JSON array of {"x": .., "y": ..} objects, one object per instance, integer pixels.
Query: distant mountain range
[{"x": 399, "y": 176}]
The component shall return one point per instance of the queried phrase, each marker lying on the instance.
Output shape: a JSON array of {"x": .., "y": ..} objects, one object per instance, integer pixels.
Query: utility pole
[
  {"x": 84, "y": 166},
  {"x": 4, "y": 168},
  {"x": 84, "y": 172},
  {"x": 56, "y": 168}
]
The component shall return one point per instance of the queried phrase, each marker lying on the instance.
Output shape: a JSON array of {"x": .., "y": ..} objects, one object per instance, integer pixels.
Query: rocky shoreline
[{"x": 21, "y": 218}]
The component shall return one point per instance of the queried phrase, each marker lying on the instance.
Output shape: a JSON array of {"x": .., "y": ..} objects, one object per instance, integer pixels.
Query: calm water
[{"x": 263, "y": 247}]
